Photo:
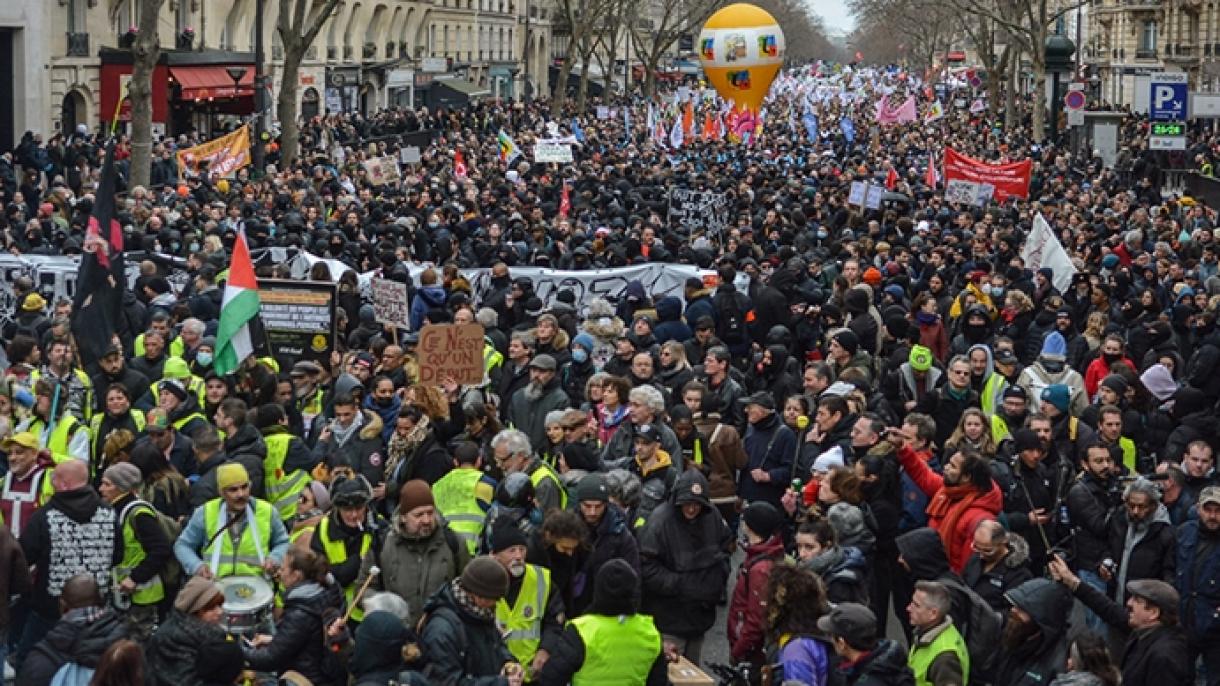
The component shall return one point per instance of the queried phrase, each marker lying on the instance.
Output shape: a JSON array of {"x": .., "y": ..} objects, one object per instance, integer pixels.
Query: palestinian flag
[{"x": 238, "y": 310}]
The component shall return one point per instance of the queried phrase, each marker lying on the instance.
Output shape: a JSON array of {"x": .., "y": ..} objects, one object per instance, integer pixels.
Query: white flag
[{"x": 1043, "y": 249}]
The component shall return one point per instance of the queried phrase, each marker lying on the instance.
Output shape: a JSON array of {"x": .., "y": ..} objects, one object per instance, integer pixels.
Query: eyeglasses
[{"x": 959, "y": 372}]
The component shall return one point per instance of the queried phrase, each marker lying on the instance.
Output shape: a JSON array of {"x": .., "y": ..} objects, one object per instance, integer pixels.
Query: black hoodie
[
  {"x": 1037, "y": 661},
  {"x": 82, "y": 636},
  {"x": 79, "y": 526}
]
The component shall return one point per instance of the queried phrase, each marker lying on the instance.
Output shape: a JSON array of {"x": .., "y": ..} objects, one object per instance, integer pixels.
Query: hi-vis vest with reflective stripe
[
  {"x": 492, "y": 358},
  {"x": 545, "y": 472},
  {"x": 455, "y": 499},
  {"x": 95, "y": 430},
  {"x": 521, "y": 624},
  {"x": 246, "y": 560},
  {"x": 618, "y": 650},
  {"x": 60, "y": 438},
  {"x": 283, "y": 488},
  {"x": 151, "y": 591},
  {"x": 175, "y": 348},
  {"x": 947, "y": 641},
  {"x": 336, "y": 552},
  {"x": 40, "y": 493}
]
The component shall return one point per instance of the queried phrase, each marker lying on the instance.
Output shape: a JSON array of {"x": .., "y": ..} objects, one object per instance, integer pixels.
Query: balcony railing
[
  {"x": 1145, "y": 54},
  {"x": 78, "y": 45}
]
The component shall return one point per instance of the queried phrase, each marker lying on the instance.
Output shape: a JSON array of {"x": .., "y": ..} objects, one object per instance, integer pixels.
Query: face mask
[
  {"x": 579, "y": 355},
  {"x": 517, "y": 569},
  {"x": 194, "y": 247},
  {"x": 384, "y": 402},
  {"x": 823, "y": 235},
  {"x": 433, "y": 225},
  {"x": 204, "y": 359},
  {"x": 1111, "y": 359}
]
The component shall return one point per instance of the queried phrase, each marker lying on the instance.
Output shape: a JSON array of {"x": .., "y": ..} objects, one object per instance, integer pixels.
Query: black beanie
[
  {"x": 616, "y": 589},
  {"x": 763, "y": 519},
  {"x": 507, "y": 535}
]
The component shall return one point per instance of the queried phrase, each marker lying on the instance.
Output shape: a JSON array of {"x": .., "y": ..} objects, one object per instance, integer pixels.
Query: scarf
[
  {"x": 343, "y": 434},
  {"x": 401, "y": 447},
  {"x": 926, "y": 318},
  {"x": 825, "y": 561},
  {"x": 463, "y": 598},
  {"x": 949, "y": 504}
]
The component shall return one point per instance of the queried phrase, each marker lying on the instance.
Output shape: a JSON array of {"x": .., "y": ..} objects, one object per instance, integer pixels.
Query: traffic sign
[
  {"x": 1167, "y": 98},
  {"x": 1073, "y": 100}
]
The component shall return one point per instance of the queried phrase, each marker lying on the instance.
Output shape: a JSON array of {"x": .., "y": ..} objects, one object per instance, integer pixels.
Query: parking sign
[{"x": 1167, "y": 98}]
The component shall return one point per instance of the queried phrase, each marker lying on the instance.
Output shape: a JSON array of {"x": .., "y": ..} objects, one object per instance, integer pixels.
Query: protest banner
[
  {"x": 451, "y": 350},
  {"x": 603, "y": 112},
  {"x": 382, "y": 170},
  {"x": 872, "y": 200},
  {"x": 390, "y": 305},
  {"x": 409, "y": 155},
  {"x": 299, "y": 318},
  {"x": 221, "y": 157},
  {"x": 545, "y": 151},
  {"x": 1043, "y": 249},
  {"x": 1009, "y": 180},
  {"x": 857, "y": 194},
  {"x": 698, "y": 211}
]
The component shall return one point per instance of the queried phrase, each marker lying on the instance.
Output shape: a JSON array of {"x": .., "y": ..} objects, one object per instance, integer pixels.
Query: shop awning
[{"x": 213, "y": 81}]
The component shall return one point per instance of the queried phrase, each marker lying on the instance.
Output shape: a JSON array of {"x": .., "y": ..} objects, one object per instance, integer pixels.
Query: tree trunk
[
  {"x": 1038, "y": 67},
  {"x": 582, "y": 91},
  {"x": 286, "y": 105},
  {"x": 1011, "y": 116},
  {"x": 145, "y": 51},
  {"x": 559, "y": 95}
]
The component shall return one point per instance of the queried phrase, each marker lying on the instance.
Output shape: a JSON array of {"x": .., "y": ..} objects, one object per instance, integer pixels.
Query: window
[
  {"x": 76, "y": 16},
  {"x": 1148, "y": 38}
]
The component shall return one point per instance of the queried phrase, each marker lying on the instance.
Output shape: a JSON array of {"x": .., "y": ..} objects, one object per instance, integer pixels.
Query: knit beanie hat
[
  {"x": 584, "y": 340},
  {"x": 219, "y": 662},
  {"x": 231, "y": 474},
  {"x": 920, "y": 358},
  {"x": 1116, "y": 383},
  {"x": 616, "y": 589},
  {"x": 506, "y": 535},
  {"x": 1058, "y": 395},
  {"x": 321, "y": 494},
  {"x": 485, "y": 578},
  {"x": 848, "y": 340},
  {"x": 125, "y": 476},
  {"x": 379, "y": 641},
  {"x": 196, "y": 594},
  {"x": 1054, "y": 347},
  {"x": 415, "y": 493},
  {"x": 175, "y": 387},
  {"x": 592, "y": 487},
  {"x": 763, "y": 519}
]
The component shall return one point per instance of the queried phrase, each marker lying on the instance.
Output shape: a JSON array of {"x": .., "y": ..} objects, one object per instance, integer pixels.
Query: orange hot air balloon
[{"x": 741, "y": 48}]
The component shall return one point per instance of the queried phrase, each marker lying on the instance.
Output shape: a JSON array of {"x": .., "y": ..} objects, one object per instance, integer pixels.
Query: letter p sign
[{"x": 1167, "y": 99}]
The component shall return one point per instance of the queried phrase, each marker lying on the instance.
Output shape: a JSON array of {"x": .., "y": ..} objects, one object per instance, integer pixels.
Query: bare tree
[
  {"x": 654, "y": 32},
  {"x": 804, "y": 34},
  {"x": 145, "y": 51},
  {"x": 582, "y": 19},
  {"x": 915, "y": 31},
  {"x": 298, "y": 24}
]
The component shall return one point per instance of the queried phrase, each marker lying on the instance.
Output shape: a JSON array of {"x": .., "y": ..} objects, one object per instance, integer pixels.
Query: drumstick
[{"x": 373, "y": 572}]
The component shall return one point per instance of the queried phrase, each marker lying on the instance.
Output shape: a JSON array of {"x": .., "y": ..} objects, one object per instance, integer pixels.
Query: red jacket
[
  {"x": 747, "y": 625},
  {"x": 1098, "y": 370},
  {"x": 959, "y": 541}
]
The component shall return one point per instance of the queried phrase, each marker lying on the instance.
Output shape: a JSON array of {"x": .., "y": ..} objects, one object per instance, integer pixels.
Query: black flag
[{"x": 97, "y": 304}]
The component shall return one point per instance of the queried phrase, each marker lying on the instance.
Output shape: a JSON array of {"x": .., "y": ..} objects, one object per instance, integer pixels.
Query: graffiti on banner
[
  {"x": 698, "y": 211},
  {"x": 222, "y": 156}
]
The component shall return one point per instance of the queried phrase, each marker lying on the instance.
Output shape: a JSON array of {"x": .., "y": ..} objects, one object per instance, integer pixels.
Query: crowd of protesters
[{"x": 895, "y": 451}]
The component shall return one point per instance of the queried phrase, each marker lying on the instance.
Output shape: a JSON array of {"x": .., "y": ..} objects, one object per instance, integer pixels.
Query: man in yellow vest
[
  {"x": 233, "y": 535},
  {"x": 58, "y": 430},
  {"x": 464, "y": 495},
  {"x": 530, "y": 615},
  {"x": 27, "y": 486},
  {"x": 289, "y": 461},
  {"x": 938, "y": 655},
  {"x": 512, "y": 452},
  {"x": 612, "y": 643},
  {"x": 61, "y": 368},
  {"x": 345, "y": 534},
  {"x": 143, "y": 551}
]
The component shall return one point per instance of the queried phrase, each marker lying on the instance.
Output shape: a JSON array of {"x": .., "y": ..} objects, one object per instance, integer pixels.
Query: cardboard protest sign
[
  {"x": 390, "y": 305},
  {"x": 451, "y": 350}
]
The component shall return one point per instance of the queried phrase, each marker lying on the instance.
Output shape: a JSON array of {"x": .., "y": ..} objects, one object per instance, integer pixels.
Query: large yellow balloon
[{"x": 742, "y": 49}]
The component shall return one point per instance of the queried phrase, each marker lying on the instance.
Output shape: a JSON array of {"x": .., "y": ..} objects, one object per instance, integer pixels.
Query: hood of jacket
[
  {"x": 79, "y": 504},
  {"x": 1018, "y": 551},
  {"x": 85, "y": 633},
  {"x": 887, "y": 662},
  {"x": 990, "y": 358},
  {"x": 433, "y": 295},
  {"x": 924, "y": 554},
  {"x": 1048, "y": 602},
  {"x": 372, "y": 425},
  {"x": 691, "y": 486},
  {"x": 246, "y": 441},
  {"x": 345, "y": 384},
  {"x": 669, "y": 309}
]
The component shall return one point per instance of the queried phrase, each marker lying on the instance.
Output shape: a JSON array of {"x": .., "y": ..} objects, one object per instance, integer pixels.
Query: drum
[{"x": 247, "y": 607}]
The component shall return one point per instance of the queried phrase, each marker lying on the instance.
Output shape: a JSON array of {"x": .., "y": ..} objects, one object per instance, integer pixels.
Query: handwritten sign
[
  {"x": 390, "y": 304},
  {"x": 693, "y": 210},
  {"x": 553, "y": 152},
  {"x": 873, "y": 200},
  {"x": 382, "y": 170},
  {"x": 859, "y": 190},
  {"x": 451, "y": 350}
]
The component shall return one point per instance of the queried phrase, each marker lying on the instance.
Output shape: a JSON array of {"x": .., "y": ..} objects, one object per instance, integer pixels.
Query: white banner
[
  {"x": 553, "y": 152},
  {"x": 1043, "y": 249}
]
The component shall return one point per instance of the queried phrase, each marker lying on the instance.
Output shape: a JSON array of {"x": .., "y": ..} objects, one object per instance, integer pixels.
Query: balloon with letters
[{"x": 741, "y": 48}]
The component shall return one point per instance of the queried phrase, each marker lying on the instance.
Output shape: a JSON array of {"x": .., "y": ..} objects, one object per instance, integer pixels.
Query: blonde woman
[
  {"x": 1095, "y": 329},
  {"x": 972, "y": 431},
  {"x": 675, "y": 371}
]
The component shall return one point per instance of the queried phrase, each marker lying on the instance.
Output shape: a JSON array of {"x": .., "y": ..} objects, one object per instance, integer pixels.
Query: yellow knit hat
[{"x": 231, "y": 474}]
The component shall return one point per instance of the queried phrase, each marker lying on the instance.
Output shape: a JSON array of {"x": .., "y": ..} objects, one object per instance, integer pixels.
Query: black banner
[{"x": 299, "y": 320}]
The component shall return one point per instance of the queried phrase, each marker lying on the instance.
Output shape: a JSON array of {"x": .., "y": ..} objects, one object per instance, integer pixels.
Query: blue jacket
[
  {"x": 770, "y": 445},
  {"x": 1200, "y": 604},
  {"x": 670, "y": 326},
  {"x": 426, "y": 298},
  {"x": 805, "y": 660},
  {"x": 699, "y": 306}
]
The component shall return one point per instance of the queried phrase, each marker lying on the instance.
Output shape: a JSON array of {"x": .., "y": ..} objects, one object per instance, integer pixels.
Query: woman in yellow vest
[
  {"x": 530, "y": 615},
  {"x": 345, "y": 534},
  {"x": 312, "y": 505},
  {"x": 145, "y": 551},
  {"x": 612, "y": 643}
]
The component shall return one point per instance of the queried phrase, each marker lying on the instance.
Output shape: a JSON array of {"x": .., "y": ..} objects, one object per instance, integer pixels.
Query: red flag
[
  {"x": 459, "y": 164},
  {"x": 565, "y": 203},
  {"x": 931, "y": 177},
  {"x": 688, "y": 122},
  {"x": 891, "y": 179}
]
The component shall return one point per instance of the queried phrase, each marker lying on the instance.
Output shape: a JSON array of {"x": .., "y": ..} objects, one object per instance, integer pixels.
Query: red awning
[{"x": 200, "y": 83}]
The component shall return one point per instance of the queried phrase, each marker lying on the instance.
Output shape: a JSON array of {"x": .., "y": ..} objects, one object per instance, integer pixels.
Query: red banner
[{"x": 1009, "y": 180}]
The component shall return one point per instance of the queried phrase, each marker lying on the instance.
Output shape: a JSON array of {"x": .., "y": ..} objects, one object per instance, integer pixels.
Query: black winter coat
[
  {"x": 81, "y": 636},
  {"x": 612, "y": 539},
  {"x": 462, "y": 649},
  {"x": 1154, "y": 557},
  {"x": 297, "y": 644},
  {"x": 1157, "y": 655},
  {"x": 1089, "y": 510},
  {"x": 173, "y": 648},
  {"x": 685, "y": 564}
]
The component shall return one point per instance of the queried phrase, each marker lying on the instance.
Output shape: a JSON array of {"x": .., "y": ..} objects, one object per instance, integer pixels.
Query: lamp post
[
  {"x": 512, "y": 76},
  {"x": 1058, "y": 51},
  {"x": 236, "y": 73},
  {"x": 259, "y": 105}
]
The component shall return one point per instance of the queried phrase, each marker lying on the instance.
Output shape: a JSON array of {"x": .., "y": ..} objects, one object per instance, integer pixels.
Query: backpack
[
  {"x": 981, "y": 631},
  {"x": 171, "y": 573},
  {"x": 731, "y": 318},
  {"x": 72, "y": 674}
]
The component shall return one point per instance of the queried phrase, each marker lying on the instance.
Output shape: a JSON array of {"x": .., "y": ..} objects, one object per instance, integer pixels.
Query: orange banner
[{"x": 220, "y": 157}]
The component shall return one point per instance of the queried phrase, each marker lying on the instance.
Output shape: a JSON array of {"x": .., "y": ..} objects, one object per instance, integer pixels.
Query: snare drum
[{"x": 247, "y": 607}]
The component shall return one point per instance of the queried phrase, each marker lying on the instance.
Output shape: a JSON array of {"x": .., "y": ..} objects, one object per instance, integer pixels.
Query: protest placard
[
  {"x": 451, "y": 350},
  {"x": 857, "y": 194},
  {"x": 390, "y": 305},
  {"x": 873, "y": 199},
  {"x": 692, "y": 210},
  {"x": 382, "y": 170},
  {"x": 299, "y": 318},
  {"x": 546, "y": 151}
]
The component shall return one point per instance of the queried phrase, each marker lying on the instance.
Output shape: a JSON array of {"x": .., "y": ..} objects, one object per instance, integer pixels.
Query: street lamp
[
  {"x": 1058, "y": 51},
  {"x": 236, "y": 73},
  {"x": 1095, "y": 87},
  {"x": 512, "y": 75}
]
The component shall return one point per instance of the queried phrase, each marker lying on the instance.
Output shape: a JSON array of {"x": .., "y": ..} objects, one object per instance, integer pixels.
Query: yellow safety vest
[
  {"x": 521, "y": 624},
  {"x": 283, "y": 488},
  {"x": 947, "y": 641},
  {"x": 336, "y": 552},
  {"x": 311, "y": 406},
  {"x": 618, "y": 650},
  {"x": 41, "y": 493},
  {"x": 152, "y": 591},
  {"x": 545, "y": 472},
  {"x": 176, "y": 347},
  {"x": 252, "y": 548},
  {"x": 455, "y": 499},
  {"x": 84, "y": 380},
  {"x": 57, "y": 443},
  {"x": 187, "y": 419},
  {"x": 95, "y": 429},
  {"x": 194, "y": 385}
]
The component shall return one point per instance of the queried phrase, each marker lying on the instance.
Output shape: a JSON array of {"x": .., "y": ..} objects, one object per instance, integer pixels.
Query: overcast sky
[{"x": 834, "y": 14}]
